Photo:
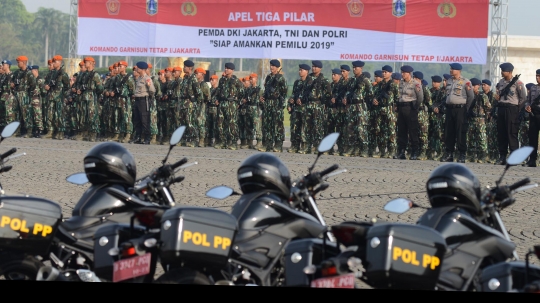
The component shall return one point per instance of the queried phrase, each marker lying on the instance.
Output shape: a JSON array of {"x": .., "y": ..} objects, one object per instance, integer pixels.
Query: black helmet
[
  {"x": 110, "y": 162},
  {"x": 264, "y": 171},
  {"x": 454, "y": 184}
]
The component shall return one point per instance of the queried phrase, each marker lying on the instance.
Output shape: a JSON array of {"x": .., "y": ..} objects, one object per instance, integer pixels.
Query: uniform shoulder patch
[
  {"x": 468, "y": 84},
  {"x": 418, "y": 87},
  {"x": 519, "y": 82}
]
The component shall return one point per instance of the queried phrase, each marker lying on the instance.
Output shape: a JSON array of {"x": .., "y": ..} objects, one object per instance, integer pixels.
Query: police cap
[
  {"x": 366, "y": 74},
  {"x": 475, "y": 81},
  {"x": 407, "y": 69},
  {"x": 189, "y": 63},
  {"x": 486, "y": 81},
  {"x": 456, "y": 66},
  {"x": 345, "y": 67},
  {"x": 336, "y": 71},
  {"x": 358, "y": 63},
  {"x": 538, "y": 71},
  {"x": 229, "y": 65},
  {"x": 35, "y": 67},
  {"x": 506, "y": 67},
  {"x": 142, "y": 65},
  {"x": 275, "y": 63},
  {"x": 378, "y": 73},
  {"x": 6, "y": 62},
  {"x": 418, "y": 75},
  {"x": 528, "y": 85},
  {"x": 436, "y": 79},
  {"x": 316, "y": 63},
  {"x": 424, "y": 82},
  {"x": 446, "y": 76},
  {"x": 387, "y": 68},
  {"x": 304, "y": 66},
  {"x": 396, "y": 76}
]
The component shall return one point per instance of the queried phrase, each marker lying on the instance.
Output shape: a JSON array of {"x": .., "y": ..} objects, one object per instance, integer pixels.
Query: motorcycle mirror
[
  {"x": 10, "y": 129},
  {"x": 398, "y": 205},
  {"x": 326, "y": 144},
  {"x": 519, "y": 155},
  {"x": 220, "y": 192},
  {"x": 175, "y": 138},
  {"x": 78, "y": 178}
]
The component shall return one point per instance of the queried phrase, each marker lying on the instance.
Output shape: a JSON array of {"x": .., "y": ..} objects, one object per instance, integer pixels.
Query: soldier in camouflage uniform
[
  {"x": 242, "y": 114},
  {"x": 212, "y": 134},
  {"x": 57, "y": 88},
  {"x": 123, "y": 90},
  {"x": 36, "y": 116},
  {"x": 532, "y": 108},
  {"x": 226, "y": 97},
  {"x": 254, "y": 113},
  {"x": 476, "y": 138},
  {"x": 90, "y": 89},
  {"x": 153, "y": 106},
  {"x": 273, "y": 105},
  {"x": 173, "y": 99},
  {"x": 162, "y": 108},
  {"x": 165, "y": 113},
  {"x": 332, "y": 108},
  {"x": 491, "y": 124},
  {"x": 7, "y": 99},
  {"x": 319, "y": 95},
  {"x": 193, "y": 97},
  {"x": 523, "y": 134},
  {"x": 385, "y": 95},
  {"x": 69, "y": 109},
  {"x": 342, "y": 109},
  {"x": 436, "y": 120},
  {"x": 44, "y": 100},
  {"x": 24, "y": 85},
  {"x": 106, "y": 107},
  {"x": 201, "y": 114},
  {"x": 423, "y": 119},
  {"x": 357, "y": 119},
  {"x": 296, "y": 108},
  {"x": 373, "y": 113}
]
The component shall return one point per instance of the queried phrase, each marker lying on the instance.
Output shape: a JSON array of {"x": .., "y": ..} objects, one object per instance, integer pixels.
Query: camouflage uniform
[
  {"x": 106, "y": 110},
  {"x": 124, "y": 88},
  {"x": 384, "y": 124},
  {"x": 476, "y": 138},
  {"x": 91, "y": 89},
  {"x": 212, "y": 132},
  {"x": 436, "y": 125},
  {"x": 36, "y": 109},
  {"x": 173, "y": 117},
  {"x": 491, "y": 130},
  {"x": 78, "y": 104},
  {"x": 45, "y": 104},
  {"x": 154, "y": 97},
  {"x": 25, "y": 85},
  {"x": 254, "y": 117},
  {"x": 201, "y": 114},
  {"x": 227, "y": 93},
  {"x": 242, "y": 118},
  {"x": 423, "y": 123},
  {"x": 313, "y": 122},
  {"x": 7, "y": 101},
  {"x": 69, "y": 111},
  {"x": 335, "y": 123},
  {"x": 56, "y": 102},
  {"x": 193, "y": 97},
  {"x": 273, "y": 130},
  {"x": 342, "y": 116},
  {"x": 296, "y": 112},
  {"x": 357, "y": 119}
]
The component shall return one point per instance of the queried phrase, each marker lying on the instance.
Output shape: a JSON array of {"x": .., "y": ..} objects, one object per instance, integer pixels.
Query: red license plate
[
  {"x": 132, "y": 267},
  {"x": 344, "y": 281}
]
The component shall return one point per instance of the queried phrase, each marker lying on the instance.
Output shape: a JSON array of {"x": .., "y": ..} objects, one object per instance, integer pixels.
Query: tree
[{"x": 50, "y": 22}]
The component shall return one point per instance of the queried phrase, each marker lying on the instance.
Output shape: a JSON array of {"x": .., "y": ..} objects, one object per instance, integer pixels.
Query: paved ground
[{"x": 358, "y": 194}]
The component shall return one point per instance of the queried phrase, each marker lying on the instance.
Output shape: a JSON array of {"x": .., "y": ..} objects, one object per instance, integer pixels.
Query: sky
[{"x": 522, "y": 14}]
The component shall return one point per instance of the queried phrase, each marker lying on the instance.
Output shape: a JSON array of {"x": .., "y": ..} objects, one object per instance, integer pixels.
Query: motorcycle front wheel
[
  {"x": 183, "y": 276},
  {"x": 18, "y": 267}
]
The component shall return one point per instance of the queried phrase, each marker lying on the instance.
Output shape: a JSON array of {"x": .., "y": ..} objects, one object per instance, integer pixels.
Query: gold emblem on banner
[
  {"x": 399, "y": 8},
  {"x": 356, "y": 8},
  {"x": 446, "y": 9},
  {"x": 113, "y": 7},
  {"x": 151, "y": 7},
  {"x": 188, "y": 9}
]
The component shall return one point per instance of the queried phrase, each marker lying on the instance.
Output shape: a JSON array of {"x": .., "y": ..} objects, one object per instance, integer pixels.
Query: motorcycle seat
[{"x": 77, "y": 223}]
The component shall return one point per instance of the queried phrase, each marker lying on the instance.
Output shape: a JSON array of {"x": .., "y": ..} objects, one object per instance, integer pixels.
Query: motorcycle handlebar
[
  {"x": 178, "y": 179},
  {"x": 519, "y": 183},
  {"x": 179, "y": 163},
  {"x": 329, "y": 170},
  {"x": 5, "y": 169},
  {"x": 8, "y": 153}
]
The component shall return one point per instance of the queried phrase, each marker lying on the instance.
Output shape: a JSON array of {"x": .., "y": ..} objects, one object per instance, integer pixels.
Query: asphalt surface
[{"x": 358, "y": 194}]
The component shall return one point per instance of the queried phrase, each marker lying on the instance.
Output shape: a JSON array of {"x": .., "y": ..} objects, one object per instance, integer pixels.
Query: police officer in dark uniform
[
  {"x": 410, "y": 97},
  {"x": 532, "y": 107},
  {"x": 141, "y": 112},
  {"x": 459, "y": 96},
  {"x": 508, "y": 107}
]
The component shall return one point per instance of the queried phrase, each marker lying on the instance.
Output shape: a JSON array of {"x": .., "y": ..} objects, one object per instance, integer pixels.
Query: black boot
[
  {"x": 530, "y": 163},
  {"x": 135, "y": 140},
  {"x": 447, "y": 157},
  {"x": 501, "y": 161},
  {"x": 461, "y": 158},
  {"x": 414, "y": 156}
]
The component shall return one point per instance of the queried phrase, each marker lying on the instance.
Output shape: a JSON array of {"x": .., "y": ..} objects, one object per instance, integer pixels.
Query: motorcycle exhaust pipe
[{"x": 49, "y": 273}]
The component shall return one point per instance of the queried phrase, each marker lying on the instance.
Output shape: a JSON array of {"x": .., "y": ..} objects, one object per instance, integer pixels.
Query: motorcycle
[
  {"x": 246, "y": 247},
  {"x": 448, "y": 248},
  {"x": 34, "y": 230}
]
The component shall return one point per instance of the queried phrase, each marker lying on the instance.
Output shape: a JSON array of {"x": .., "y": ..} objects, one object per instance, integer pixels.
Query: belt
[
  {"x": 357, "y": 101},
  {"x": 455, "y": 105},
  {"x": 502, "y": 104},
  {"x": 403, "y": 104},
  {"x": 141, "y": 98}
]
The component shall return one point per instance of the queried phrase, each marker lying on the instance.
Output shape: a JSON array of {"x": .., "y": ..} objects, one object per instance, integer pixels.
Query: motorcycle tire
[
  {"x": 19, "y": 267},
  {"x": 183, "y": 276}
]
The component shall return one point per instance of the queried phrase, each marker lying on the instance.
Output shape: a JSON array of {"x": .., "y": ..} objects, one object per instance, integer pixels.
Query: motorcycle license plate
[
  {"x": 132, "y": 267},
  {"x": 344, "y": 281}
]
